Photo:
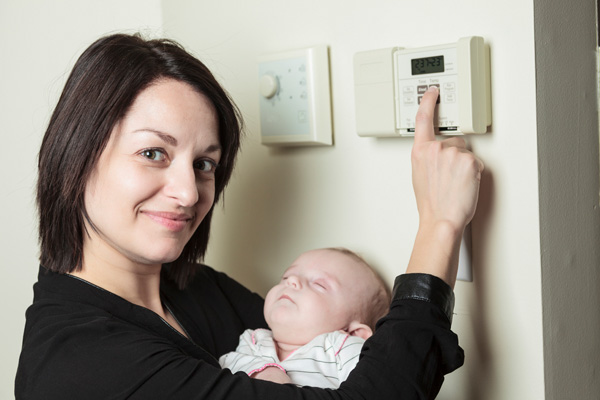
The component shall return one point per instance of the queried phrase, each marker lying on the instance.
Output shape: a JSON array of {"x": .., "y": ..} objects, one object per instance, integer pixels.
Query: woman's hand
[{"x": 446, "y": 179}]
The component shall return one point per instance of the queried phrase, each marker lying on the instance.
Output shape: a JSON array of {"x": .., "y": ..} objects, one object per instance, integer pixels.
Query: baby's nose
[{"x": 294, "y": 282}]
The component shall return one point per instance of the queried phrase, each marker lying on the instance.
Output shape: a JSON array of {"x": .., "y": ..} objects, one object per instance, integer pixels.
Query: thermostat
[
  {"x": 390, "y": 83},
  {"x": 294, "y": 98}
]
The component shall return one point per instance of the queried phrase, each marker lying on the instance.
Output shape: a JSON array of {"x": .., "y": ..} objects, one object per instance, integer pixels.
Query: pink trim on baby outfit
[
  {"x": 254, "y": 371},
  {"x": 342, "y": 345}
]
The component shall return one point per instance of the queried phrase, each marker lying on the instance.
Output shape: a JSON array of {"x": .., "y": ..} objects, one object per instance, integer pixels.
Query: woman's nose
[{"x": 182, "y": 186}]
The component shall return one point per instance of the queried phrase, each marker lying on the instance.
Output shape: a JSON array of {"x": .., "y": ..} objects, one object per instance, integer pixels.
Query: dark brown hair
[{"x": 103, "y": 84}]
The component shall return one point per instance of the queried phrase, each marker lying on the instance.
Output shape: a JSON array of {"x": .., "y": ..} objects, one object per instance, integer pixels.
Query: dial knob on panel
[{"x": 269, "y": 85}]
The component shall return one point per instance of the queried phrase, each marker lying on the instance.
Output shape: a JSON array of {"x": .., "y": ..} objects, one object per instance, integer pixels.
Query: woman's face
[{"x": 155, "y": 181}]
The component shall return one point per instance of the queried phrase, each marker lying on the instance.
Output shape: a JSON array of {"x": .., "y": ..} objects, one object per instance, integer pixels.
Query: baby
[{"x": 319, "y": 316}]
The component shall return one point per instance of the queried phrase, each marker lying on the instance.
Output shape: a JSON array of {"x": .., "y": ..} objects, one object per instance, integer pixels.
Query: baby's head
[{"x": 323, "y": 291}]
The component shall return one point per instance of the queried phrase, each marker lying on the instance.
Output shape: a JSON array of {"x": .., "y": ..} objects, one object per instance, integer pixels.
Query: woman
[{"x": 139, "y": 148}]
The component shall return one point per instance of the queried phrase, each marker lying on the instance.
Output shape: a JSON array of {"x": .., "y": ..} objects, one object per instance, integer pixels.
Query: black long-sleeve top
[{"x": 83, "y": 342}]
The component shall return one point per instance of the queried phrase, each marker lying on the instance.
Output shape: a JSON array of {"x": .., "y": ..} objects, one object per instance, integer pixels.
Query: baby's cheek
[{"x": 277, "y": 313}]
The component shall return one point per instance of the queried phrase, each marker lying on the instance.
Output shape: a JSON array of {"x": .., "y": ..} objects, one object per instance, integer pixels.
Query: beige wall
[
  {"x": 515, "y": 320},
  {"x": 39, "y": 42}
]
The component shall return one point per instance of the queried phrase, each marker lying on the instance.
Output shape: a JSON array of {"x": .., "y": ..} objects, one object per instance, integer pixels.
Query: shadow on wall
[{"x": 481, "y": 371}]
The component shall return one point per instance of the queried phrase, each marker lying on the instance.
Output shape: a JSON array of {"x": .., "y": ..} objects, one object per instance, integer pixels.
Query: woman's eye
[
  {"x": 154, "y": 155},
  {"x": 205, "y": 165}
]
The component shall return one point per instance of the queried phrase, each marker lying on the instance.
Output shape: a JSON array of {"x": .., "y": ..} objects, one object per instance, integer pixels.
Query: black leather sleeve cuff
[{"x": 425, "y": 287}]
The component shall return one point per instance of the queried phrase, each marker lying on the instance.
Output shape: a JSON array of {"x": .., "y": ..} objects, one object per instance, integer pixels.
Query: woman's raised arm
[{"x": 446, "y": 179}]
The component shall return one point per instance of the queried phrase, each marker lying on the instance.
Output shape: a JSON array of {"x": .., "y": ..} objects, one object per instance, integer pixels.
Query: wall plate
[{"x": 294, "y": 98}]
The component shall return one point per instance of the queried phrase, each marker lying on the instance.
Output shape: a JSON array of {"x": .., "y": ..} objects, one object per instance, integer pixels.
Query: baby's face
[{"x": 319, "y": 293}]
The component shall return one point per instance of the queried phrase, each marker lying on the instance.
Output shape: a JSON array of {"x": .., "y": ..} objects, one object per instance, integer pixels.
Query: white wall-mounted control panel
[
  {"x": 294, "y": 98},
  {"x": 389, "y": 84}
]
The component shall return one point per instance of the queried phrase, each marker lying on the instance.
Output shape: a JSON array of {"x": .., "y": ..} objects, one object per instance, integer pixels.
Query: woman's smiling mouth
[{"x": 175, "y": 222}]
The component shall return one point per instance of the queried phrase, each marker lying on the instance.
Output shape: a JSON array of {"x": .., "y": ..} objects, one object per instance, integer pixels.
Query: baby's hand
[{"x": 272, "y": 374}]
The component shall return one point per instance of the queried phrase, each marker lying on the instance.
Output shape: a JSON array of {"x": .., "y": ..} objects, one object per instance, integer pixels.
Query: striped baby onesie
[{"x": 324, "y": 362}]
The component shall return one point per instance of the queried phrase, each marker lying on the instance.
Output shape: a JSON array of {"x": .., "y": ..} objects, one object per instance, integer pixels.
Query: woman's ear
[{"x": 359, "y": 329}]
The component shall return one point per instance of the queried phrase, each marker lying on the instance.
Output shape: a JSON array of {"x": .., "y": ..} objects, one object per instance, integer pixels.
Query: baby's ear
[{"x": 359, "y": 329}]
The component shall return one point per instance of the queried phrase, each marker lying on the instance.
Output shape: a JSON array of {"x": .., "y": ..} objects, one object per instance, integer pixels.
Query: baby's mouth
[{"x": 286, "y": 297}]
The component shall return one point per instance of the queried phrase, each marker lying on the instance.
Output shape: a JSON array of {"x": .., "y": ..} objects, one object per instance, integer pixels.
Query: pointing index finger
[{"x": 424, "y": 131}]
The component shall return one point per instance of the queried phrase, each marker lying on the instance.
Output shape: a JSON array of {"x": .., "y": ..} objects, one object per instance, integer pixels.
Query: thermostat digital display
[{"x": 427, "y": 65}]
